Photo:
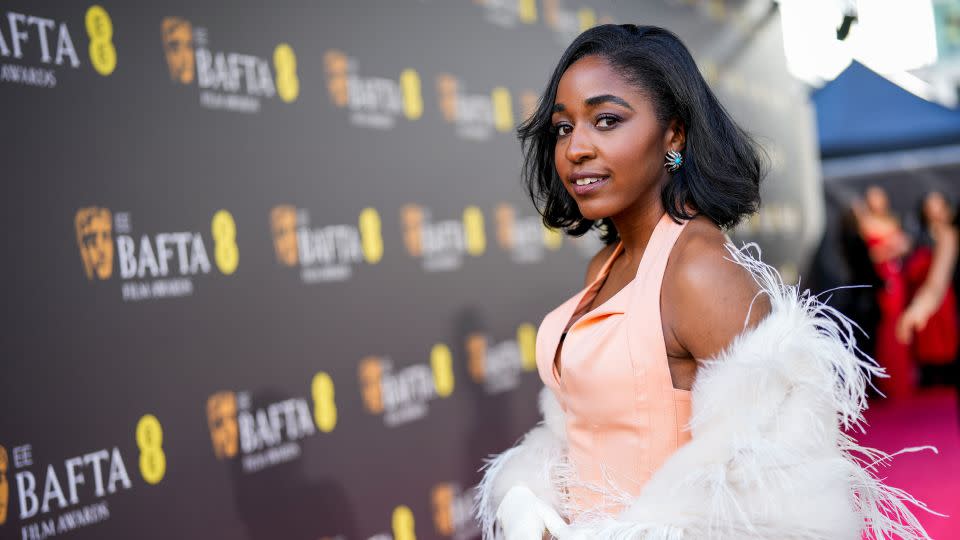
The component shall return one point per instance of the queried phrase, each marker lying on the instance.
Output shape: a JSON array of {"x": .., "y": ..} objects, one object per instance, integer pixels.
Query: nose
[{"x": 579, "y": 146}]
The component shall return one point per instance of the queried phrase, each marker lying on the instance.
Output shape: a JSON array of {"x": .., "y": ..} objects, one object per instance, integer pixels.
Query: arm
[{"x": 930, "y": 295}]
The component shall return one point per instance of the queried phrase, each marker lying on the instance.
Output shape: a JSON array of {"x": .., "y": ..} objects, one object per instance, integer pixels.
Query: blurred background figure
[
  {"x": 887, "y": 244},
  {"x": 929, "y": 322}
]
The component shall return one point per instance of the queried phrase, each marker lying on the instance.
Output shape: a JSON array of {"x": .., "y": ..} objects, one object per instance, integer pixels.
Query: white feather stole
[{"x": 769, "y": 456}]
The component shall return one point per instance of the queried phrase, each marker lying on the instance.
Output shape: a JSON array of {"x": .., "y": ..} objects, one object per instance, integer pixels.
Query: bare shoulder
[
  {"x": 596, "y": 263},
  {"x": 708, "y": 299}
]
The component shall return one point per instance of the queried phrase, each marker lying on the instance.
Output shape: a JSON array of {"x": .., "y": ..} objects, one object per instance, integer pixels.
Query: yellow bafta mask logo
[
  {"x": 371, "y": 388},
  {"x": 447, "y": 89},
  {"x": 411, "y": 217},
  {"x": 337, "y": 66},
  {"x": 506, "y": 217},
  {"x": 477, "y": 356},
  {"x": 222, "y": 420},
  {"x": 283, "y": 224},
  {"x": 551, "y": 13},
  {"x": 178, "y": 49},
  {"x": 4, "y": 485},
  {"x": 528, "y": 103},
  {"x": 441, "y": 497},
  {"x": 95, "y": 240}
]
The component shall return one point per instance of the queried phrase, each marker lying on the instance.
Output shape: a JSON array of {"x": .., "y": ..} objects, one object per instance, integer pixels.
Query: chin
[{"x": 595, "y": 211}]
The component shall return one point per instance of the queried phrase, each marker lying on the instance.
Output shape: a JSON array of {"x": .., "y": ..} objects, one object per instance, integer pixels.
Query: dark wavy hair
[{"x": 722, "y": 164}]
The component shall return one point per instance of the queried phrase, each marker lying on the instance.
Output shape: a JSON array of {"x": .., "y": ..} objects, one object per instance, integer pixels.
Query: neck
[
  {"x": 636, "y": 229},
  {"x": 635, "y": 225}
]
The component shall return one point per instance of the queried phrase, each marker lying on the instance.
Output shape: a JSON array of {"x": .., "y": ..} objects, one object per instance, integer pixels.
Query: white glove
[
  {"x": 575, "y": 534},
  {"x": 524, "y": 516}
]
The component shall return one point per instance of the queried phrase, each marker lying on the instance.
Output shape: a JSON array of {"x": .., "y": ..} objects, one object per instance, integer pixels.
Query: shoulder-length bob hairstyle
[{"x": 722, "y": 165}]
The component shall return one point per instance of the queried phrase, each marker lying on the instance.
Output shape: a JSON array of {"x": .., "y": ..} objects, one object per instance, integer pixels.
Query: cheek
[
  {"x": 562, "y": 166},
  {"x": 635, "y": 155}
]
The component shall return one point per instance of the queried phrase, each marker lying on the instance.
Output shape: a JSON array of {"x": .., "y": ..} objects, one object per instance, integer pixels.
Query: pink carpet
[{"x": 929, "y": 418}]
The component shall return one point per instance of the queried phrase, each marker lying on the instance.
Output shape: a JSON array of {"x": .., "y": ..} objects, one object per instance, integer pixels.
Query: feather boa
[{"x": 770, "y": 455}]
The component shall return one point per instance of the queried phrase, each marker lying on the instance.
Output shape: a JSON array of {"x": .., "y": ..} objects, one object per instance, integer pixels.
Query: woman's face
[
  {"x": 877, "y": 200},
  {"x": 607, "y": 129},
  {"x": 936, "y": 209}
]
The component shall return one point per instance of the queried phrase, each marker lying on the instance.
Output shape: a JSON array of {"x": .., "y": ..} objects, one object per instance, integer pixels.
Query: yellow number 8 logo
[
  {"x": 527, "y": 341},
  {"x": 552, "y": 238},
  {"x": 502, "y": 109},
  {"x": 225, "y": 253},
  {"x": 412, "y": 96},
  {"x": 153, "y": 462},
  {"x": 324, "y": 407},
  {"x": 371, "y": 241},
  {"x": 403, "y": 525},
  {"x": 476, "y": 239},
  {"x": 528, "y": 11},
  {"x": 103, "y": 55},
  {"x": 441, "y": 362},
  {"x": 285, "y": 62}
]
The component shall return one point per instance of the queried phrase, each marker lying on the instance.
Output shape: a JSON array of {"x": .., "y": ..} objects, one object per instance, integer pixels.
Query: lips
[{"x": 584, "y": 183}]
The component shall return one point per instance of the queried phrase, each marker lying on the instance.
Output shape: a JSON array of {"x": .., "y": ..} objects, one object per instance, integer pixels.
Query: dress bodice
[{"x": 623, "y": 416}]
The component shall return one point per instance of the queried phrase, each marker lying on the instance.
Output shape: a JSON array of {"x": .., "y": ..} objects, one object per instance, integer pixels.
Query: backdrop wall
[{"x": 270, "y": 271}]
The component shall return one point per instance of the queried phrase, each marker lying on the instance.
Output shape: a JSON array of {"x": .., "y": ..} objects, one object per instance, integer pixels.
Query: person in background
[
  {"x": 887, "y": 244},
  {"x": 929, "y": 322}
]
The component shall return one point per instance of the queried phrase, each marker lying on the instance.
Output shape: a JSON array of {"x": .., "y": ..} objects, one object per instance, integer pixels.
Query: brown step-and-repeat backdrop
[{"x": 269, "y": 271}]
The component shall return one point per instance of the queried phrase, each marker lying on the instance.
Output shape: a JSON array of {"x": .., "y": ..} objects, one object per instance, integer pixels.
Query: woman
[
  {"x": 674, "y": 328},
  {"x": 930, "y": 320},
  {"x": 887, "y": 244}
]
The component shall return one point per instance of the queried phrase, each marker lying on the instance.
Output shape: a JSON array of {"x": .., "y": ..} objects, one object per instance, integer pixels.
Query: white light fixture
[{"x": 889, "y": 36}]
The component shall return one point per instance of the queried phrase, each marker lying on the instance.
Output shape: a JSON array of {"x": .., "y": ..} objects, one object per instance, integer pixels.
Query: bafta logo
[
  {"x": 528, "y": 103},
  {"x": 442, "y": 499},
  {"x": 411, "y": 216},
  {"x": 476, "y": 356},
  {"x": 505, "y": 216},
  {"x": 337, "y": 66},
  {"x": 447, "y": 89},
  {"x": 4, "y": 486},
  {"x": 551, "y": 13},
  {"x": 283, "y": 223},
  {"x": 178, "y": 48},
  {"x": 95, "y": 239},
  {"x": 222, "y": 419},
  {"x": 371, "y": 376}
]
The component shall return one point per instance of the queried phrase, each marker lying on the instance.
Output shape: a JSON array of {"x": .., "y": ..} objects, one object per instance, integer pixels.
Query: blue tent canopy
[{"x": 861, "y": 112}]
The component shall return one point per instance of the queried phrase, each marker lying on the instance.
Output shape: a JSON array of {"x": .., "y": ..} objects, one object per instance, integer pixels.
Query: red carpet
[{"x": 929, "y": 418}]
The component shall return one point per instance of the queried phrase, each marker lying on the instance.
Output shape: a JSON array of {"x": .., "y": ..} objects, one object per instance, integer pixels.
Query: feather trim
[
  {"x": 534, "y": 462},
  {"x": 770, "y": 454}
]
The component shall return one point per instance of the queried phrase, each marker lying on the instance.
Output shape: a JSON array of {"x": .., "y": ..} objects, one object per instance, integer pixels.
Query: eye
[
  {"x": 561, "y": 129},
  {"x": 607, "y": 121}
]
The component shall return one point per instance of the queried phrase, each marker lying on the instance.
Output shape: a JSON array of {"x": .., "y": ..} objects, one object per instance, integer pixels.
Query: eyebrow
[{"x": 596, "y": 100}]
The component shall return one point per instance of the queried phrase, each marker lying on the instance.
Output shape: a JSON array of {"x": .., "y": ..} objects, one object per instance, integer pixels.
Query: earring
[{"x": 673, "y": 160}]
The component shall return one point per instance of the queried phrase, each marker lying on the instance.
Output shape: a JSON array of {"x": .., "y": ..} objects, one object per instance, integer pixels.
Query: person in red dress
[
  {"x": 929, "y": 322},
  {"x": 887, "y": 244}
]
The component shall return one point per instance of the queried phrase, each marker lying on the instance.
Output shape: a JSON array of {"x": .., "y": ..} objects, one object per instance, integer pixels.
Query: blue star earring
[{"x": 673, "y": 161}]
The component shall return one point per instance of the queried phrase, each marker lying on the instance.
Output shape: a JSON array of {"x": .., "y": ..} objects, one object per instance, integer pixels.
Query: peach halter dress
[{"x": 623, "y": 416}]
